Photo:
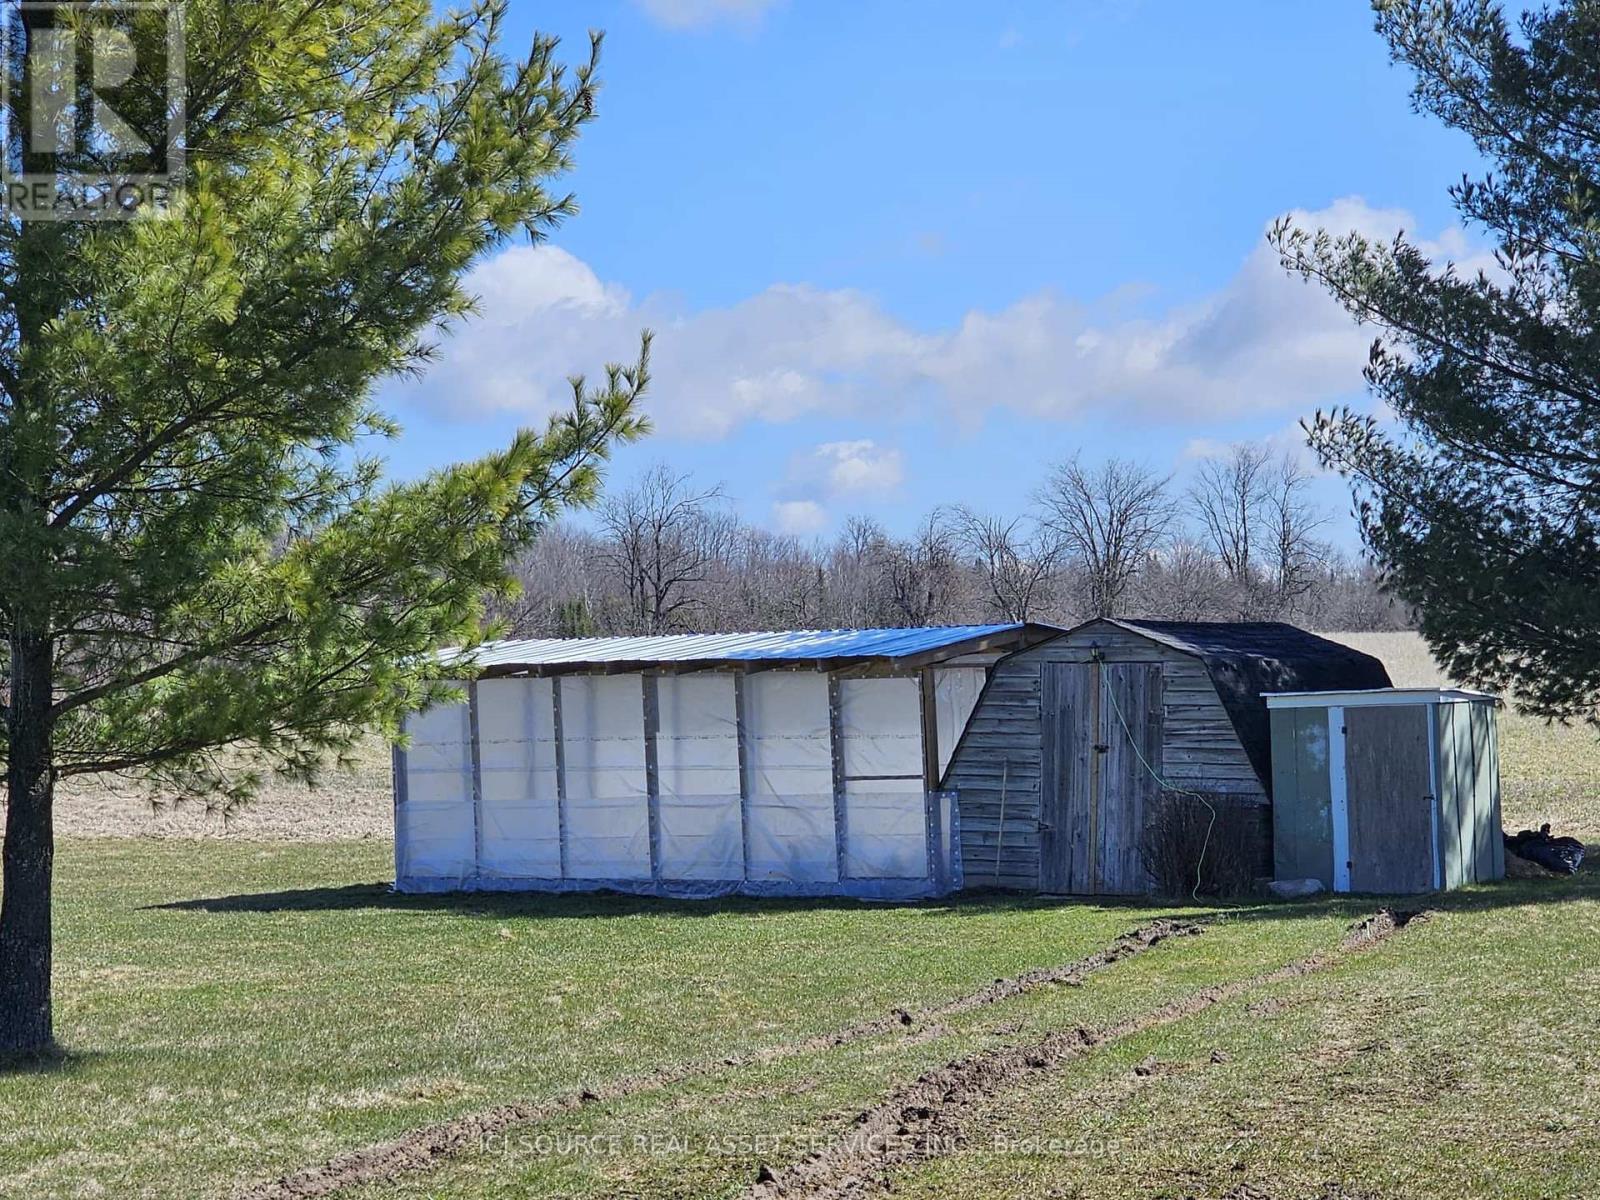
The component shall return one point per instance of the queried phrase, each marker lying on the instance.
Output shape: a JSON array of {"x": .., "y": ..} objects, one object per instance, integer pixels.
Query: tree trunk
[{"x": 29, "y": 854}]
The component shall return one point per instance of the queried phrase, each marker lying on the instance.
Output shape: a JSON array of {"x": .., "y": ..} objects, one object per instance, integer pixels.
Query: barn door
[
  {"x": 1101, "y": 741},
  {"x": 1130, "y": 731},
  {"x": 1069, "y": 703},
  {"x": 1389, "y": 798}
]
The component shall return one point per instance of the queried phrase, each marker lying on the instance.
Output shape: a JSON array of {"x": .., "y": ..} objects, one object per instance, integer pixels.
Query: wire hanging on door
[{"x": 1205, "y": 844}]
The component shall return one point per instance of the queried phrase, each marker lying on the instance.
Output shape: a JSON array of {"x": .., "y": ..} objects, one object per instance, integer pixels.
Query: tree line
[{"x": 1242, "y": 541}]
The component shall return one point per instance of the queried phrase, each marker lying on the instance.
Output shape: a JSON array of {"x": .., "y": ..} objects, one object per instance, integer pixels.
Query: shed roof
[
  {"x": 1248, "y": 659},
  {"x": 818, "y": 648},
  {"x": 1382, "y": 697}
]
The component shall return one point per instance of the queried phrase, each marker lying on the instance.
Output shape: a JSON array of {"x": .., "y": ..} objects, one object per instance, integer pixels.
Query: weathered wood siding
[
  {"x": 1069, "y": 706},
  {"x": 998, "y": 764},
  {"x": 1131, "y": 731},
  {"x": 995, "y": 772}
]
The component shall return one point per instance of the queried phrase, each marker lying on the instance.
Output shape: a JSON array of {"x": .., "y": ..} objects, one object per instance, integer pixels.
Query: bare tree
[
  {"x": 851, "y": 573},
  {"x": 1254, "y": 510},
  {"x": 1349, "y": 595},
  {"x": 1291, "y": 523},
  {"x": 772, "y": 582},
  {"x": 1227, "y": 495},
  {"x": 664, "y": 538},
  {"x": 921, "y": 576},
  {"x": 1111, "y": 519},
  {"x": 1018, "y": 559},
  {"x": 667, "y": 555},
  {"x": 1186, "y": 582},
  {"x": 561, "y": 590}
]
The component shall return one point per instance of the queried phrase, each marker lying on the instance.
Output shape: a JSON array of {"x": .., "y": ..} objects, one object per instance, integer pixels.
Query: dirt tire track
[
  {"x": 1135, "y": 941},
  {"x": 423, "y": 1148},
  {"x": 927, "y": 1119}
]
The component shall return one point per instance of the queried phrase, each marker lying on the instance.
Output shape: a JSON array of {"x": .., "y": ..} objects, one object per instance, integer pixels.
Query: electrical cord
[{"x": 1205, "y": 844}]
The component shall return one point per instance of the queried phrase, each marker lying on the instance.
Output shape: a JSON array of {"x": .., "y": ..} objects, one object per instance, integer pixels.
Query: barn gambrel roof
[{"x": 1247, "y": 659}]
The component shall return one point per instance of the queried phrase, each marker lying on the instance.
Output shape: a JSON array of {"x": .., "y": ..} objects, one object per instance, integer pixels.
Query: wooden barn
[{"x": 1073, "y": 741}]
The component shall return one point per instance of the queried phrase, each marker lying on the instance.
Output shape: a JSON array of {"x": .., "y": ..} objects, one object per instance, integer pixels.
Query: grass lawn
[{"x": 220, "y": 1043}]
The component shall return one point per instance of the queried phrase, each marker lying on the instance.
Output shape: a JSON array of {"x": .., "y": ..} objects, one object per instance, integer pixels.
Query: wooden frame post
[
  {"x": 741, "y": 732},
  {"x": 836, "y": 746},
  {"x": 561, "y": 771},
  {"x": 650, "y": 688},
  {"x": 1097, "y": 723},
  {"x": 928, "y": 707},
  {"x": 930, "y": 730},
  {"x": 477, "y": 779},
  {"x": 398, "y": 758}
]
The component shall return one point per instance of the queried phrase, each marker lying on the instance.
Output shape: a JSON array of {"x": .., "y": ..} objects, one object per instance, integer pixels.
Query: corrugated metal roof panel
[{"x": 798, "y": 645}]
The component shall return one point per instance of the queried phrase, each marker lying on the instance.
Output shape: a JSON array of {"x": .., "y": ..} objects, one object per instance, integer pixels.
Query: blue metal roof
[{"x": 809, "y": 646}]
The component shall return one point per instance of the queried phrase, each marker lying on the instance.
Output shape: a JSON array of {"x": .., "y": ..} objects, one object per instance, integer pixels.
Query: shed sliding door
[
  {"x": 1389, "y": 799},
  {"x": 1101, "y": 747}
]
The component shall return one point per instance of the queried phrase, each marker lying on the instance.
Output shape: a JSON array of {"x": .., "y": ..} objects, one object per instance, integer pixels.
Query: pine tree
[
  {"x": 1481, "y": 500},
  {"x": 203, "y": 575}
]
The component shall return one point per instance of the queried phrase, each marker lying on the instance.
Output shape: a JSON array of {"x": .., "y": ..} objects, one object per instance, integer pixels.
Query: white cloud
[
  {"x": 539, "y": 278},
  {"x": 799, "y": 517},
  {"x": 695, "y": 14},
  {"x": 1289, "y": 441},
  {"x": 853, "y": 468},
  {"x": 850, "y": 470},
  {"x": 1205, "y": 447},
  {"x": 1265, "y": 343}
]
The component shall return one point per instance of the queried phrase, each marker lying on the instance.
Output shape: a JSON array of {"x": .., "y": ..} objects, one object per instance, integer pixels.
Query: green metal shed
[{"x": 1390, "y": 790}]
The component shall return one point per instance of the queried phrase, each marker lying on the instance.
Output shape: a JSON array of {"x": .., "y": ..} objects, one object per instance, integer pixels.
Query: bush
[{"x": 1203, "y": 843}]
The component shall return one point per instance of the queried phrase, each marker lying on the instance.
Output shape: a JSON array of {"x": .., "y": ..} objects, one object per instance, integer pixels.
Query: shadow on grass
[
  {"x": 1483, "y": 897},
  {"x": 569, "y": 905},
  {"x": 57, "y": 1060},
  {"x": 380, "y": 896}
]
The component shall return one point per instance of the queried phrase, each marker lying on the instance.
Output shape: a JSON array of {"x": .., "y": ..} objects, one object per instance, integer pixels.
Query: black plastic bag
[{"x": 1560, "y": 854}]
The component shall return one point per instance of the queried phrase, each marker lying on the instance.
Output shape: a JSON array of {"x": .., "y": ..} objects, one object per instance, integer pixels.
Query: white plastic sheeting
[
  {"x": 608, "y": 808},
  {"x": 790, "y": 757},
  {"x": 697, "y": 757},
  {"x": 885, "y": 810},
  {"x": 435, "y": 830},
  {"x": 955, "y": 695},
  {"x": 519, "y": 806},
  {"x": 696, "y": 784}
]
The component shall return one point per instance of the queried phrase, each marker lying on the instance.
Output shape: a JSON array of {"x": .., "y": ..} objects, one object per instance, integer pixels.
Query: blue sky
[{"x": 907, "y": 253}]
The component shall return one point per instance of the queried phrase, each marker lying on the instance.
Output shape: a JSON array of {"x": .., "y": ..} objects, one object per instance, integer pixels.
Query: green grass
[
  {"x": 211, "y": 1045},
  {"x": 217, "y": 1044},
  {"x": 1456, "y": 1060}
]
